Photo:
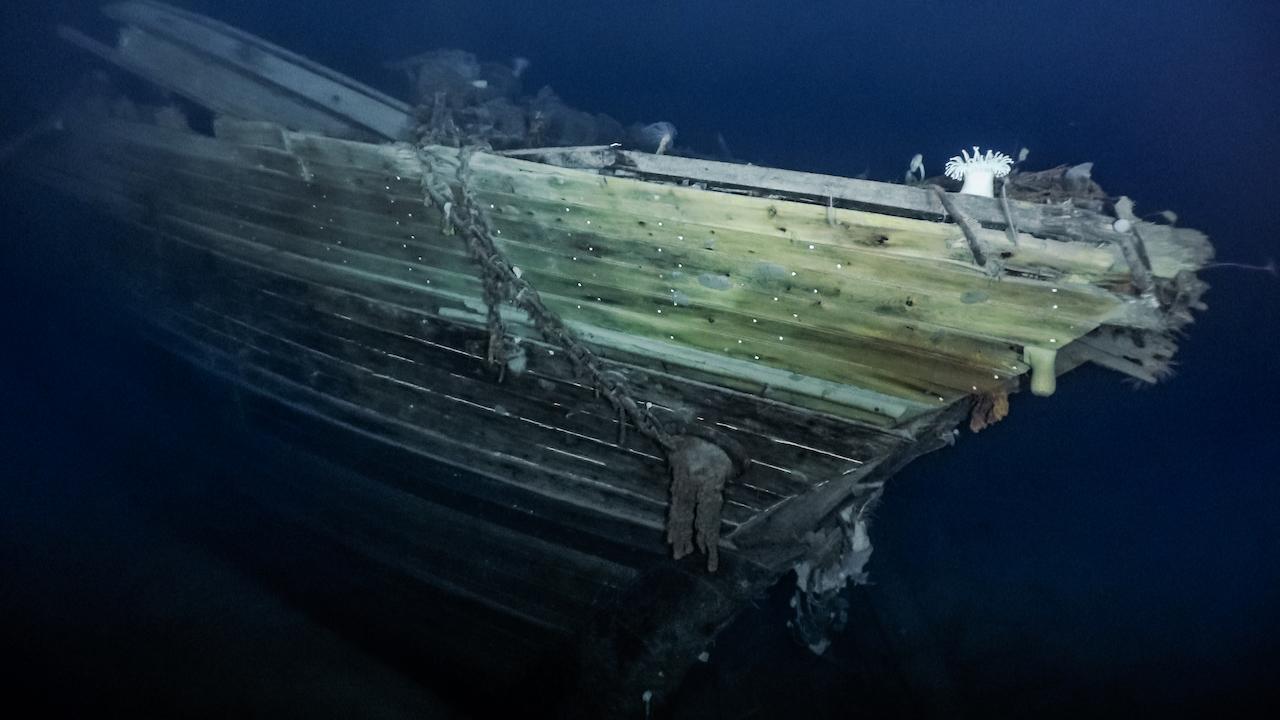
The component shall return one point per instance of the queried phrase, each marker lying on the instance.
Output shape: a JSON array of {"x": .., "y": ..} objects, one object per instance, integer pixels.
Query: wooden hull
[
  {"x": 835, "y": 329},
  {"x": 323, "y": 317},
  {"x": 267, "y": 301}
]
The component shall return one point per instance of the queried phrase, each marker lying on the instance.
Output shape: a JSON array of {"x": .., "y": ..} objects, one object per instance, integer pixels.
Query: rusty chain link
[{"x": 462, "y": 215}]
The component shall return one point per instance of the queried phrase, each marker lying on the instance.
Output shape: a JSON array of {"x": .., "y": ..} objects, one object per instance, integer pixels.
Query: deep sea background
[{"x": 1105, "y": 549}]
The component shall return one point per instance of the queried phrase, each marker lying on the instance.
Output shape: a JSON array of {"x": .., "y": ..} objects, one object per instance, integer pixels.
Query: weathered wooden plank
[
  {"x": 868, "y": 234},
  {"x": 422, "y": 300},
  {"x": 920, "y": 277},
  {"x": 445, "y": 447},
  {"x": 861, "y": 302},
  {"x": 788, "y": 457},
  {"x": 833, "y": 373},
  {"x": 376, "y": 234},
  {"x": 1070, "y": 228},
  {"x": 624, "y": 480},
  {"x": 1042, "y": 322},
  {"x": 463, "y": 291},
  {"x": 776, "y": 538},
  {"x": 631, "y": 240},
  {"x": 574, "y": 526},
  {"x": 232, "y": 72},
  {"x": 463, "y": 266},
  {"x": 1083, "y": 261},
  {"x": 172, "y": 67},
  {"x": 755, "y": 446},
  {"x": 558, "y": 286},
  {"x": 410, "y": 295},
  {"x": 850, "y": 361},
  {"x": 878, "y": 197},
  {"x": 458, "y": 393},
  {"x": 974, "y": 380},
  {"x": 555, "y": 191},
  {"x": 782, "y": 382},
  {"x": 412, "y": 333},
  {"x": 389, "y": 161},
  {"x": 546, "y": 405},
  {"x": 774, "y": 418},
  {"x": 415, "y": 328},
  {"x": 890, "y": 203}
]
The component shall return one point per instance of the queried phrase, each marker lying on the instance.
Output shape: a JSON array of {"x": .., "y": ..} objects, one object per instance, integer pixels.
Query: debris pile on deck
[{"x": 462, "y": 101}]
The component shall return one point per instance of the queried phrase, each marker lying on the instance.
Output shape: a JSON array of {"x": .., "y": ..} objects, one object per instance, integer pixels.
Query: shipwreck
[{"x": 672, "y": 380}]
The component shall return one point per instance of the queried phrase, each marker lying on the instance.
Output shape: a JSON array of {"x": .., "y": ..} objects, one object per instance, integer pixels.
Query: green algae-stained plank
[
  {"x": 324, "y": 216},
  {"x": 787, "y": 250},
  {"x": 278, "y": 246},
  {"x": 345, "y": 159},
  {"x": 567, "y": 406},
  {"x": 298, "y": 208},
  {"x": 879, "y": 197},
  {"x": 452, "y": 259},
  {"x": 584, "y": 218},
  {"x": 763, "y": 284},
  {"x": 1046, "y": 321},
  {"x": 778, "y": 416},
  {"x": 916, "y": 239},
  {"x": 764, "y": 281},
  {"x": 461, "y": 267},
  {"x": 1091, "y": 260},
  {"x": 557, "y": 287},
  {"x": 841, "y": 375},
  {"x": 397, "y": 167},
  {"x": 465, "y": 285},
  {"x": 758, "y": 338},
  {"x": 876, "y": 405},
  {"x": 727, "y": 250},
  {"x": 1072, "y": 230},
  {"x": 824, "y": 396},
  {"x": 862, "y": 305}
]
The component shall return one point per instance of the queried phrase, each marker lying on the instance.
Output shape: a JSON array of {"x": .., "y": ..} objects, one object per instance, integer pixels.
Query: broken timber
[{"x": 835, "y": 328}]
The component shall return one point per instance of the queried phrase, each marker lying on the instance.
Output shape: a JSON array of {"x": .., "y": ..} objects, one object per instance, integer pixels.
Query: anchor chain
[
  {"x": 503, "y": 282},
  {"x": 701, "y": 460}
]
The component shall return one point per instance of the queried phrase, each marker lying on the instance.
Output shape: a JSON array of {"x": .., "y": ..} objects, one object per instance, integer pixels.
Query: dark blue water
[{"x": 1103, "y": 549}]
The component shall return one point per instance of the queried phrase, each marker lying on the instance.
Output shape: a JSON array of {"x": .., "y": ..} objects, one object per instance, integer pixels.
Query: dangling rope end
[{"x": 699, "y": 470}]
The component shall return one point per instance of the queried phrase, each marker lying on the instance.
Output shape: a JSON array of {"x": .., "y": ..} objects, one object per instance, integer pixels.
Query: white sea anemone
[{"x": 978, "y": 171}]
